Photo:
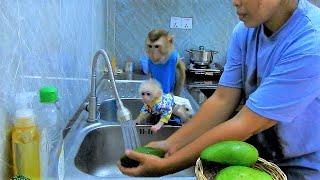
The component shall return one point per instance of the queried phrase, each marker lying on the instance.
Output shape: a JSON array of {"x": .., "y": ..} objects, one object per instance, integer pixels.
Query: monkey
[
  {"x": 159, "y": 104},
  {"x": 164, "y": 63}
]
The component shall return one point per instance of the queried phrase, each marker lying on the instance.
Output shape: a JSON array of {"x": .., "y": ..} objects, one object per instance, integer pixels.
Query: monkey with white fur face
[
  {"x": 165, "y": 65},
  {"x": 158, "y": 104},
  {"x": 155, "y": 103}
]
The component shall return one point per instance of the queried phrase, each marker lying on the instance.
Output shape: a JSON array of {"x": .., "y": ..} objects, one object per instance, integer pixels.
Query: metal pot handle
[{"x": 214, "y": 52}]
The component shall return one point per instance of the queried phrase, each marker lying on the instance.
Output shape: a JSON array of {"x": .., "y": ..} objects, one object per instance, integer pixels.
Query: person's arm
[
  {"x": 215, "y": 110},
  {"x": 245, "y": 124}
]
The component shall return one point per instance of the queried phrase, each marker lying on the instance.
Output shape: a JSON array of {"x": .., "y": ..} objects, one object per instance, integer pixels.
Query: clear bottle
[
  {"x": 52, "y": 138},
  {"x": 25, "y": 145}
]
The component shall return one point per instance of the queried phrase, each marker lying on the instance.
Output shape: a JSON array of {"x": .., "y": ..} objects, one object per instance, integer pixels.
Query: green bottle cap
[{"x": 48, "y": 94}]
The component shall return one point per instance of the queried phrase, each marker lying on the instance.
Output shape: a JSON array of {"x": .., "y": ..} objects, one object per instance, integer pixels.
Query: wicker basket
[{"x": 263, "y": 165}]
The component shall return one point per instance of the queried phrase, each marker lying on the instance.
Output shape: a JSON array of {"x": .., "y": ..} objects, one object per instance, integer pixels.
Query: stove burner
[
  {"x": 200, "y": 66},
  {"x": 204, "y": 72}
]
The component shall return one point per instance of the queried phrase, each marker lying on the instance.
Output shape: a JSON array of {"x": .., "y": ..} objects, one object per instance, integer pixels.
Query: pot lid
[{"x": 202, "y": 49}]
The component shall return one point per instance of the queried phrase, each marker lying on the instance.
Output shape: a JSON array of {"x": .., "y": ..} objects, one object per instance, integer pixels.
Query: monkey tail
[{"x": 180, "y": 77}]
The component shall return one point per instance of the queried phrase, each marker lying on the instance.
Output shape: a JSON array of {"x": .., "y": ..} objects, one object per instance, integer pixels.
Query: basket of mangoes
[{"x": 235, "y": 160}]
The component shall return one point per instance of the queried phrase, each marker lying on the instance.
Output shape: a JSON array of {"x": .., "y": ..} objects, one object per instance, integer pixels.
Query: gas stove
[
  {"x": 202, "y": 81},
  {"x": 204, "y": 78},
  {"x": 204, "y": 72}
]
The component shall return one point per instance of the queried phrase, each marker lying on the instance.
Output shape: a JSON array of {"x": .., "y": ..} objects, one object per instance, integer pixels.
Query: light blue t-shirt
[
  {"x": 280, "y": 78},
  {"x": 165, "y": 73}
]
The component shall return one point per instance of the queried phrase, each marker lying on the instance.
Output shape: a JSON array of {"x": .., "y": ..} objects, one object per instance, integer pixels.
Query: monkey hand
[
  {"x": 155, "y": 128},
  {"x": 137, "y": 121}
]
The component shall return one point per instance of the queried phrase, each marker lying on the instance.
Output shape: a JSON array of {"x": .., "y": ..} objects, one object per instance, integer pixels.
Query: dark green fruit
[
  {"x": 242, "y": 173},
  {"x": 129, "y": 163},
  {"x": 231, "y": 153}
]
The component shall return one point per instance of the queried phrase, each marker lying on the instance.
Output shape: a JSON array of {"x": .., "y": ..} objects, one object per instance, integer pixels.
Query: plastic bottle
[
  {"x": 52, "y": 138},
  {"x": 5, "y": 142},
  {"x": 114, "y": 65},
  {"x": 25, "y": 145}
]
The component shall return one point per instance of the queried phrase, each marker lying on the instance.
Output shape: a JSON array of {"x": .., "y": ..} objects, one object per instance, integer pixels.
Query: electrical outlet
[
  {"x": 175, "y": 22},
  {"x": 186, "y": 23}
]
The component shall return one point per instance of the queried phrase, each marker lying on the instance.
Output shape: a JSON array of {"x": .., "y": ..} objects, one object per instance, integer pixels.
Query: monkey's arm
[
  {"x": 144, "y": 114},
  {"x": 180, "y": 77}
]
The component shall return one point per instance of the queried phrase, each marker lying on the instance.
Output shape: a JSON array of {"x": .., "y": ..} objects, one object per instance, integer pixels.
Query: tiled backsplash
[
  {"x": 213, "y": 22},
  {"x": 50, "y": 43}
]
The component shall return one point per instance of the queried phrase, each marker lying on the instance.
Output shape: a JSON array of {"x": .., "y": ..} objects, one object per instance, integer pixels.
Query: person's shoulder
[
  {"x": 305, "y": 39},
  {"x": 310, "y": 13},
  {"x": 310, "y": 17}
]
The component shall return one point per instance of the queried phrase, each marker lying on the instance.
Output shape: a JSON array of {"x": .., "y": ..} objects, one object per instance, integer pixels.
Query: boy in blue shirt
[{"x": 273, "y": 63}]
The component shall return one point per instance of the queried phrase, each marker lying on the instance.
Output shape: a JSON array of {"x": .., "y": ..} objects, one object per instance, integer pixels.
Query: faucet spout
[{"x": 123, "y": 113}]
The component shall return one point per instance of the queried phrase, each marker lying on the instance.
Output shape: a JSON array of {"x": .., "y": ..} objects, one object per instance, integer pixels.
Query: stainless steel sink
[
  {"x": 93, "y": 149},
  {"x": 103, "y": 147},
  {"x": 108, "y": 108}
]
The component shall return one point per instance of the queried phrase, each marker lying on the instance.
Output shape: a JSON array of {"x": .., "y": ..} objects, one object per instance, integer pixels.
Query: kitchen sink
[
  {"x": 103, "y": 147},
  {"x": 93, "y": 149},
  {"x": 108, "y": 112}
]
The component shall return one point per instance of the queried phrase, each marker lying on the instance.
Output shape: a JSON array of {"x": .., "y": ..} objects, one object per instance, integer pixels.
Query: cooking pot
[{"x": 201, "y": 56}]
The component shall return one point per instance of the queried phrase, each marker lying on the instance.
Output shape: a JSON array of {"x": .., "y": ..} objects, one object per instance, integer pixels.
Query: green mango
[
  {"x": 231, "y": 153},
  {"x": 129, "y": 163},
  {"x": 242, "y": 173}
]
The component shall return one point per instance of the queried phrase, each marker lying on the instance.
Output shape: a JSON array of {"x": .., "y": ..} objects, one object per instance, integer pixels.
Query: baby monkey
[
  {"x": 165, "y": 65},
  {"x": 157, "y": 103}
]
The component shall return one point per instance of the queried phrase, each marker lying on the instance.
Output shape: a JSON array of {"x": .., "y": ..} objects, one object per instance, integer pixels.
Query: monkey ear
[
  {"x": 170, "y": 38},
  {"x": 159, "y": 94}
]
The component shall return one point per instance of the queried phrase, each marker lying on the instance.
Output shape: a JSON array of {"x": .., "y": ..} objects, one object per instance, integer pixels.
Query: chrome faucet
[{"x": 123, "y": 114}]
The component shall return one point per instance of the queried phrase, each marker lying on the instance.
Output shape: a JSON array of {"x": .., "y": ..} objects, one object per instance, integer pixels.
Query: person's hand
[
  {"x": 149, "y": 165},
  {"x": 165, "y": 146}
]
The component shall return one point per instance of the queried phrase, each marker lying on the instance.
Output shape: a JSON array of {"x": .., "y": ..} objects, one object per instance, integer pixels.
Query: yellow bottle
[
  {"x": 114, "y": 65},
  {"x": 25, "y": 145},
  {"x": 5, "y": 145}
]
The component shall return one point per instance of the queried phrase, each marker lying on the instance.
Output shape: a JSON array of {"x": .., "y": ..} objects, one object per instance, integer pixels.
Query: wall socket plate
[
  {"x": 186, "y": 23},
  {"x": 175, "y": 22},
  {"x": 181, "y": 22}
]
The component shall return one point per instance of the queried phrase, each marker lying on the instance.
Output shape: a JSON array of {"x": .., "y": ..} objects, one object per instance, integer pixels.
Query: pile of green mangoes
[{"x": 236, "y": 158}]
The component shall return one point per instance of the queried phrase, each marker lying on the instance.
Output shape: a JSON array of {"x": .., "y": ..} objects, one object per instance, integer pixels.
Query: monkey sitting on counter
[
  {"x": 157, "y": 103},
  {"x": 164, "y": 63}
]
